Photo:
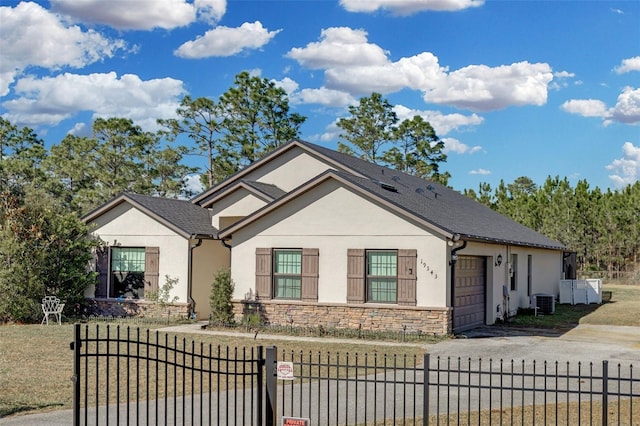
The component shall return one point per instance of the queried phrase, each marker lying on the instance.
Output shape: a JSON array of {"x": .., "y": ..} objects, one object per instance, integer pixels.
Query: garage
[{"x": 470, "y": 285}]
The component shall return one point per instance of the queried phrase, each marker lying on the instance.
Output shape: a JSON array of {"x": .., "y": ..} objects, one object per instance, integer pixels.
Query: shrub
[{"x": 221, "y": 294}]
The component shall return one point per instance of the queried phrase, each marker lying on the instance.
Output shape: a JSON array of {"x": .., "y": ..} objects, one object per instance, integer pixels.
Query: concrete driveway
[{"x": 584, "y": 343}]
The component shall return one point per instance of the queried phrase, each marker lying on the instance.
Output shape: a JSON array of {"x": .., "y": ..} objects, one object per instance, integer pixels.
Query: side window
[
  {"x": 513, "y": 272},
  {"x": 382, "y": 276},
  {"x": 529, "y": 275},
  {"x": 127, "y": 272},
  {"x": 287, "y": 274}
]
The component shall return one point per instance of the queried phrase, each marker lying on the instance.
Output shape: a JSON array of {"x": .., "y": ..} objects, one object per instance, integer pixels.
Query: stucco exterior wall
[
  {"x": 330, "y": 218},
  {"x": 239, "y": 203},
  {"x": 209, "y": 258},
  {"x": 546, "y": 272},
  {"x": 126, "y": 226},
  {"x": 289, "y": 170}
]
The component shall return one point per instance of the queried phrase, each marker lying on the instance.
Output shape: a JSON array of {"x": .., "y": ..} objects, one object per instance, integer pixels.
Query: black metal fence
[{"x": 123, "y": 376}]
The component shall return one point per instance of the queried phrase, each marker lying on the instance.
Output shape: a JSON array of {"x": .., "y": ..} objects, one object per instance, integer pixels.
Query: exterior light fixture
[{"x": 499, "y": 260}]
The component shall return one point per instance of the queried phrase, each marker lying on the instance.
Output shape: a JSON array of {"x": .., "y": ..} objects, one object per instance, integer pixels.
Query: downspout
[
  {"x": 192, "y": 302},
  {"x": 452, "y": 263}
]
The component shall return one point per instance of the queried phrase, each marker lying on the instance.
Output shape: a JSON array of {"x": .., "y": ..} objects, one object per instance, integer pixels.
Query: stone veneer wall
[
  {"x": 435, "y": 321},
  {"x": 137, "y": 308}
]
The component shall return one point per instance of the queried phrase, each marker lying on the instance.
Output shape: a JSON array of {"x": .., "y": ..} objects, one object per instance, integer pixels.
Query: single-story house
[{"x": 316, "y": 237}]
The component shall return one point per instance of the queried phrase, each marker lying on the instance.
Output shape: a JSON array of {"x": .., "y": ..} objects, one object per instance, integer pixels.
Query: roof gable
[
  {"x": 264, "y": 191},
  {"x": 181, "y": 216},
  {"x": 435, "y": 206},
  {"x": 315, "y": 151}
]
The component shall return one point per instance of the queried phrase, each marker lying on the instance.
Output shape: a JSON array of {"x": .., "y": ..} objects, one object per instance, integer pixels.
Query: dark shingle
[
  {"x": 271, "y": 191},
  {"x": 444, "y": 207},
  {"x": 187, "y": 217}
]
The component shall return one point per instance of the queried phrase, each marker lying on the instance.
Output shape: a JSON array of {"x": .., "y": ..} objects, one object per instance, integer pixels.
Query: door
[{"x": 470, "y": 287}]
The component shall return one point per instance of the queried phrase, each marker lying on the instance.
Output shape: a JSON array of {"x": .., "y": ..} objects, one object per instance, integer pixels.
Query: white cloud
[
  {"x": 53, "y": 99},
  {"x": 193, "y": 184},
  {"x": 483, "y": 172},
  {"x": 626, "y": 110},
  {"x": 626, "y": 169},
  {"x": 31, "y": 36},
  {"x": 560, "y": 80},
  {"x": 355, "y": 66},
  {"x": 482, "y": 88},
  {"x": 628, "y": 65},
  {"x": 454, "y": 145},
  {"x": 324, "y": 96},
  {"x": 442, "y": 123},
  {"x": 141, "y": 14},
  {"x": 289, "y": 85},
  {"x": 339, "y": 47},
  {"x": 408, "y": 7},
  {"x": 585, "y": 107},
  {"x": 225, "y": 41},
  {"x": 416, "y": 72}
]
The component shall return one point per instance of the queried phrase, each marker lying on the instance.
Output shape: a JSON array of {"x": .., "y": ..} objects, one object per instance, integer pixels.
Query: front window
[
  {"x": 287, "y": 273},
  {"x": 382, "y": 276},
  {"x": 127, "y": 273}
]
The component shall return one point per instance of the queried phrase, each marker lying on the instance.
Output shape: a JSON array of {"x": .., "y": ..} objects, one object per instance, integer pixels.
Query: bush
[
  {"x": 221, "y": 294},
  {"x": 43, "y": 251}
]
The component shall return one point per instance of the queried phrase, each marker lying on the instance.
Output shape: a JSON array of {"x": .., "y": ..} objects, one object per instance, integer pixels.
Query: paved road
[{"x": 585, "y": 343}]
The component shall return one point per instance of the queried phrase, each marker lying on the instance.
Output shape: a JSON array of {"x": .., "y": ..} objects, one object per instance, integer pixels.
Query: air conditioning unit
[{"x": 543, "y": 303}]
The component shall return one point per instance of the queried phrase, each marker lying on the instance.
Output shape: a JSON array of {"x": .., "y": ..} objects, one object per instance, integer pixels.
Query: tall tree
[
  {"x": 200, "y": 119},
  {"x": 256, "y": 119},
  {"x": 417, "y": 150},
  {"x": 119, "y": 157},
  {"x": 370, "y": 127},
  {"x": 21, "y": 153},
  {"x": 71, "y": 164}
]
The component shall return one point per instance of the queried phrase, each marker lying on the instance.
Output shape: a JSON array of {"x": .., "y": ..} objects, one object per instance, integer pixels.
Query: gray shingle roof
[
  {"x": 270, "y": 190},
  {"x": 182, "y": 216},
  {"x": 444, "y": 207}
]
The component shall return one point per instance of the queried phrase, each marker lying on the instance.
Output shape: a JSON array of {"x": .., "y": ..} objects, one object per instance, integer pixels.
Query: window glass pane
[
  {"x": 382, "y": 276},
  {"x": 382, "y": 290},
  {"x": 382, "y": 263},
  {"x": 287, "y": 274},
  {"x": 288, "y": 262},
  {"x": 127, "y": 259},
  {"x": 127, "y": 273},
  {"x": 288, "y": 287}
]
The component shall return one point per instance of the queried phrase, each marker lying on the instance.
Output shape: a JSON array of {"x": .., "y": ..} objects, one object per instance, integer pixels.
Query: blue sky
[{"x": 514, "y": 88}]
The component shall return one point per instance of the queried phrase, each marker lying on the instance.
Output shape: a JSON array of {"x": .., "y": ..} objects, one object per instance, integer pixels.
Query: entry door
[{"x": 470, "y": 285}]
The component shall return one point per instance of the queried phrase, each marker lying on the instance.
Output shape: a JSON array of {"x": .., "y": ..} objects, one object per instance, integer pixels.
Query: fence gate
[{"x": 123, "y": 376}]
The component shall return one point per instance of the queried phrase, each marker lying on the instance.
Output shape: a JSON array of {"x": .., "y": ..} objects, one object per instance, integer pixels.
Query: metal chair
[{"x": 51, "y": 306}]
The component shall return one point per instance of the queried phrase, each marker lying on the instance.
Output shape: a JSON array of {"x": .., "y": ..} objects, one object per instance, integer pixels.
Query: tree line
[
  {"x": 602, "y": 227},
  {"x": 45, "y": 247}
]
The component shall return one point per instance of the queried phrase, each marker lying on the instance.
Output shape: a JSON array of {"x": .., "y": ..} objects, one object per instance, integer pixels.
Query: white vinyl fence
[{"x": 581, "y": 291}]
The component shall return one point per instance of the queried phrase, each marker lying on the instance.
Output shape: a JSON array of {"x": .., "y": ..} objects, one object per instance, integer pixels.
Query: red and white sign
[
  {"x": 295, "y": 421},
  {"x": 284, "y": 370}
]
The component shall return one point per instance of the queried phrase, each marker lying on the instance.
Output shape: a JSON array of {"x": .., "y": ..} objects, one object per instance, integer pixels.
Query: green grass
[{"x": 622, "y": 309}]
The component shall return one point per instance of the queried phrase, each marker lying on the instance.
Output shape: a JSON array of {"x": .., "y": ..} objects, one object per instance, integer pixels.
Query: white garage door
[{"x": 469, "y": 304}]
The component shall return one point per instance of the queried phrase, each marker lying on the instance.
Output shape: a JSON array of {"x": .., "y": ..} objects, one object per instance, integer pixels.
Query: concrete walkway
[{"x": 584, "y": 343}]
